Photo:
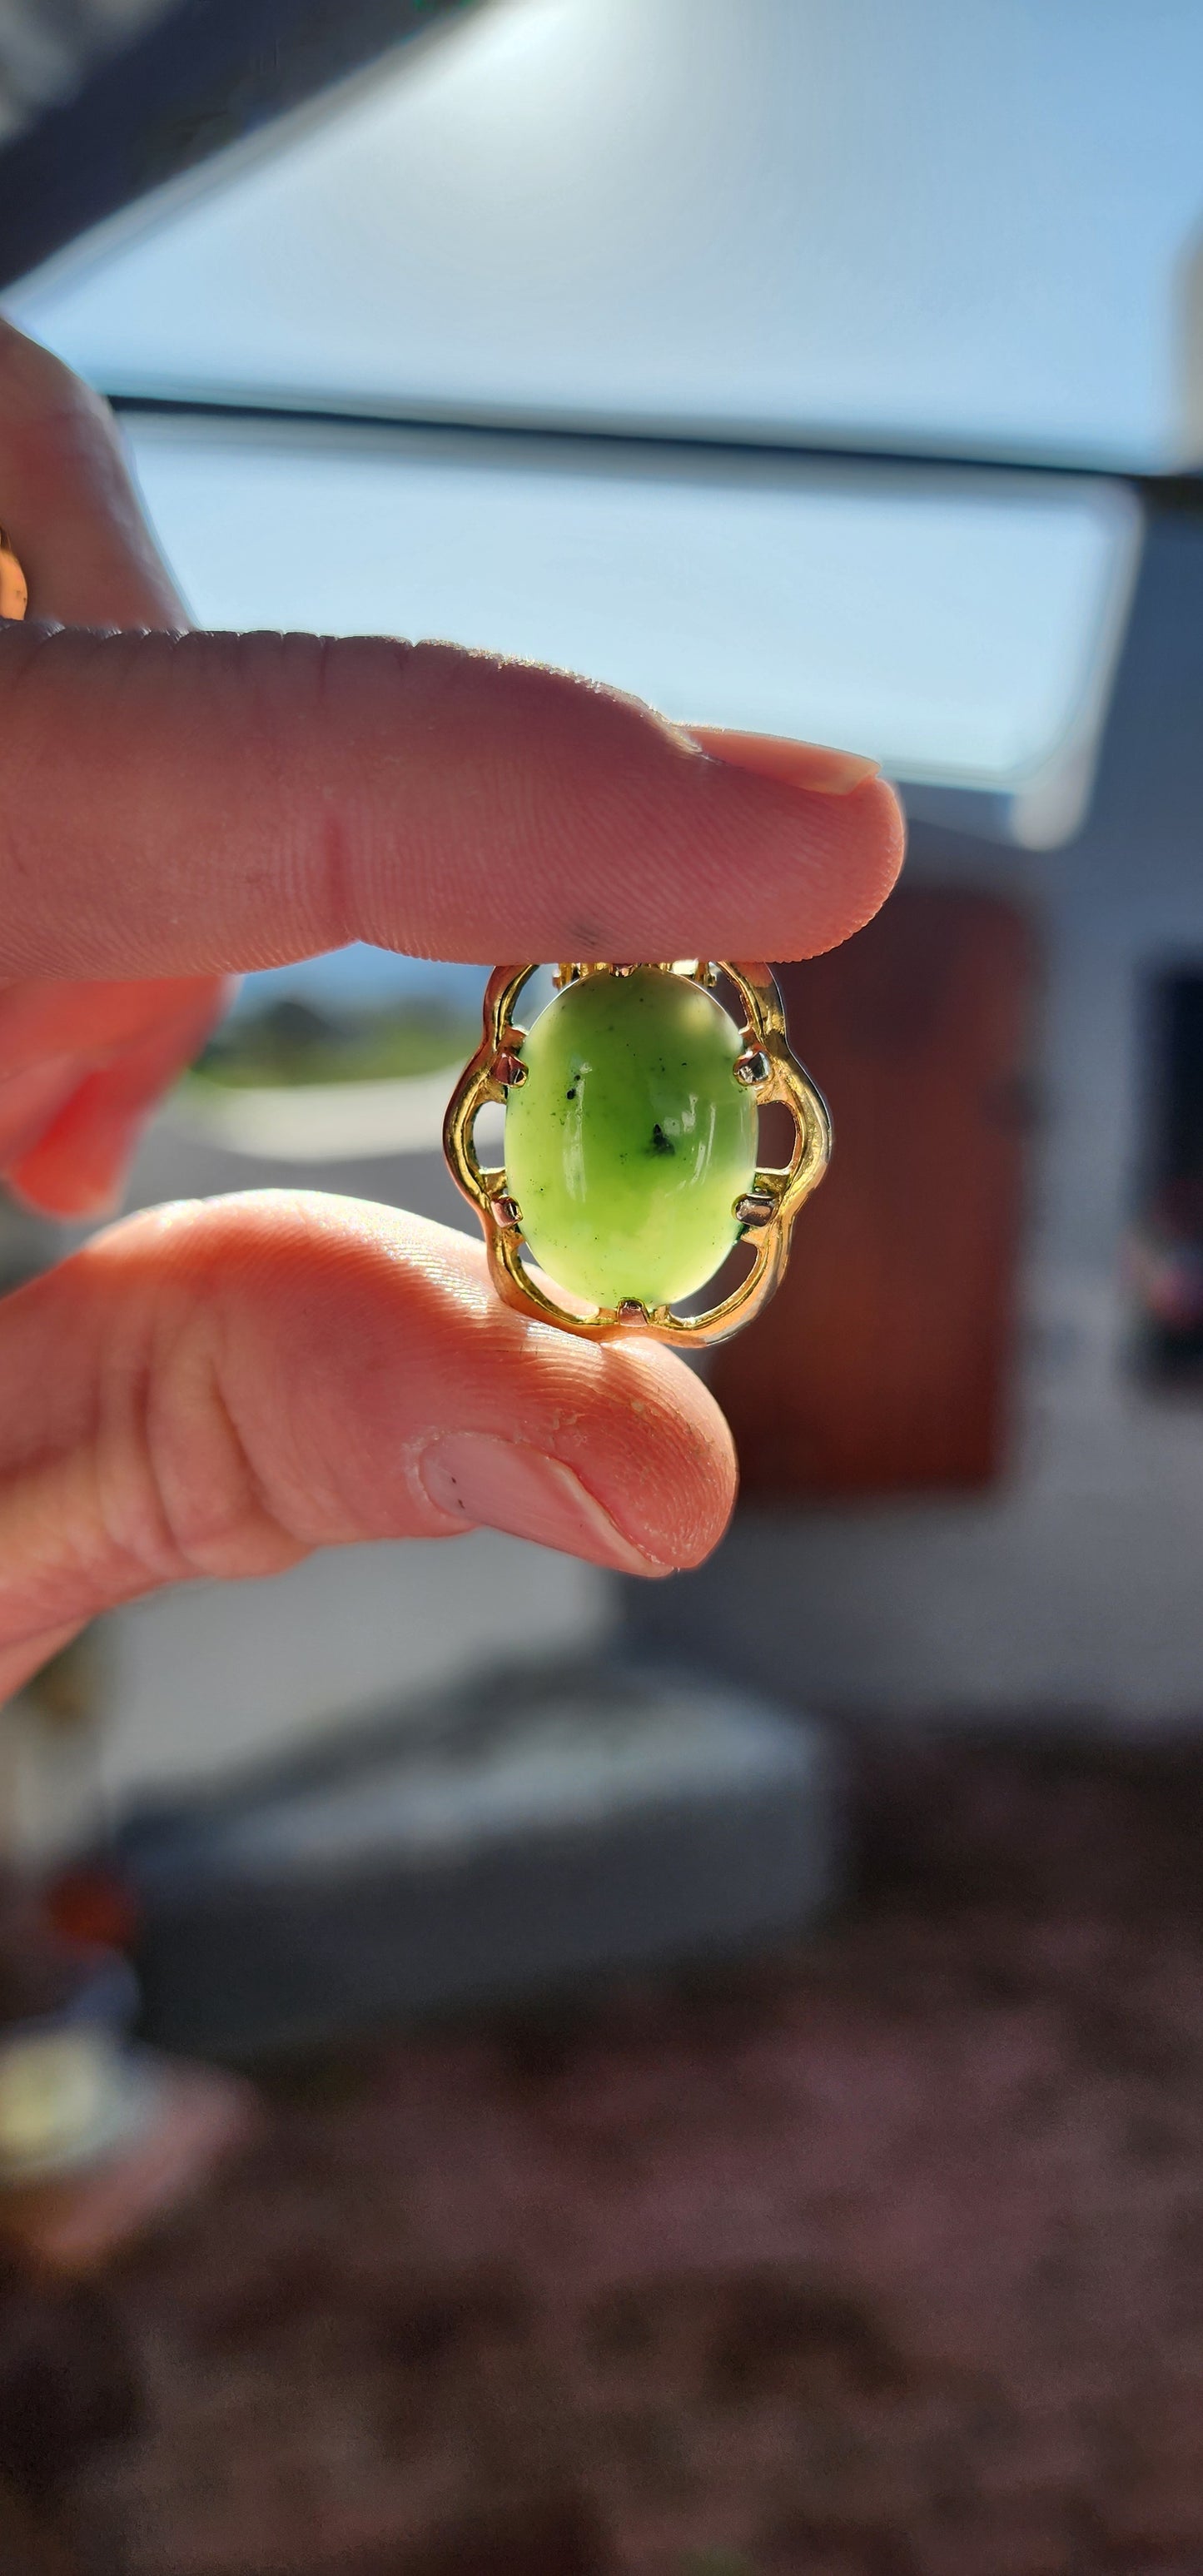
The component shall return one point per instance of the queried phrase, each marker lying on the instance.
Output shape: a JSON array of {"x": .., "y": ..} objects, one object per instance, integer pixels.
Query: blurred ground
[{"x": 880, "y": 2259}]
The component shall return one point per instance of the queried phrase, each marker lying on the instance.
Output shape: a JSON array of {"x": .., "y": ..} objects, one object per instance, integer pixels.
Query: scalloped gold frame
[{"x": 486, "y": 1189}]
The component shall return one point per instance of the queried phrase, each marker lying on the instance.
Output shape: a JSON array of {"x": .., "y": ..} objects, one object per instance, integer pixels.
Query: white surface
[
  {"x": 954, "y": 223},
  {"x": 960, "y": 627},
  {"x": 1073, "y": 1592},
  {"x": 211, "y": 1676},
  {"x": 577, "y": 1762},
  {"x": 317, "y": 1120}
]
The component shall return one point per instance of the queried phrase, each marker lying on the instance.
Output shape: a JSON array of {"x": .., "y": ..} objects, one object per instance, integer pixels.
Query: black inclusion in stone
[
  {"x": 661, "y": 1144},
  {"x": 571, "y": 1095}
]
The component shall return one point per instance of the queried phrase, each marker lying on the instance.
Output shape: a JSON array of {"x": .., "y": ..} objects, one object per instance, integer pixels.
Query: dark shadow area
[{"x": 881, "y": 2252}]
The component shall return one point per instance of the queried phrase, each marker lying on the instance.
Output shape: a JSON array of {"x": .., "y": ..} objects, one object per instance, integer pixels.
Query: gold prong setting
[
  {"x": 757, "y": 1207},
  {"x": 507, "y": 1068},
  {"x": 765, "y": 1212}
]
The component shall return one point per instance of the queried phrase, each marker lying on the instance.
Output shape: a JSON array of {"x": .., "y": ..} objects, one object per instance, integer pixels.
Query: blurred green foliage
[{"x": 293, "y": 1044}]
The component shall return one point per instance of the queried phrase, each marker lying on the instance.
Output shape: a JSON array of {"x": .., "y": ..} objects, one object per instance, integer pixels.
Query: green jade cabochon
[{"x": 631, "y": 1138}]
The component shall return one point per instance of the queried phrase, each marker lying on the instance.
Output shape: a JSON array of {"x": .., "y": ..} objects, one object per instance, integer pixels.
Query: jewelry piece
[
  {"x": 14, "y": 589},
  {"x": 632, "y": 1146}
]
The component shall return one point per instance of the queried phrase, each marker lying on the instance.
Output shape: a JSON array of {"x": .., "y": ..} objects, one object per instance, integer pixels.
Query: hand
[{"x": 215, "y": 1389}]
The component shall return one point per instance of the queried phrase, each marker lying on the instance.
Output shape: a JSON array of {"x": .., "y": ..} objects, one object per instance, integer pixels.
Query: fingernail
[
  {"x": 32, "y": 1095},
  {"x": 793, "y": 764},
  {"x": 82, "y": 1172},
  {"x": 479, "y": 1479},
  {"x": 50, "y": 1192}
]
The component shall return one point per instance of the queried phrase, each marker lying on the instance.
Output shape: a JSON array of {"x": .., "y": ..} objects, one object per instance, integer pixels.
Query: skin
[{"x": 215, "y": 1389}]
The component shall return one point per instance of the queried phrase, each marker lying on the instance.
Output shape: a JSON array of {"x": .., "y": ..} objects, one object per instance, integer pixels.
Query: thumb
[{"x": 216, "y": 1389}]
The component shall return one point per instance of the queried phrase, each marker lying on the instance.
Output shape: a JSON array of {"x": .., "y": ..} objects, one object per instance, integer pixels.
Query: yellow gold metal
[
  {"x": 766, "y": 1212},
  {"x": 14, "y": 589}
]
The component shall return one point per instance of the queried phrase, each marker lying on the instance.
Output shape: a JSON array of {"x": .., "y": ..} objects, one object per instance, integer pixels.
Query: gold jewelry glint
[
  {"x": 14, "y": 589},
  {"x": 766, "y": 1211}
]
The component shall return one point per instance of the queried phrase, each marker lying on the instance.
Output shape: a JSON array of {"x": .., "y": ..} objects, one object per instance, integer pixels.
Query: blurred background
[{"x": 502, "y": 2068}]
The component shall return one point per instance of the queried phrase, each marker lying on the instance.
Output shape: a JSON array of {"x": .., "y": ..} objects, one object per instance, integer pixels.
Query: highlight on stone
[
  {"x": 631, "y": 1138},
  {"x": 632, "y": 1131}
]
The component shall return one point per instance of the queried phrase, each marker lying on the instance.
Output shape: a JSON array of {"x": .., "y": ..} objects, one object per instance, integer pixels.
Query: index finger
[{"x": 178, "y": 804}]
